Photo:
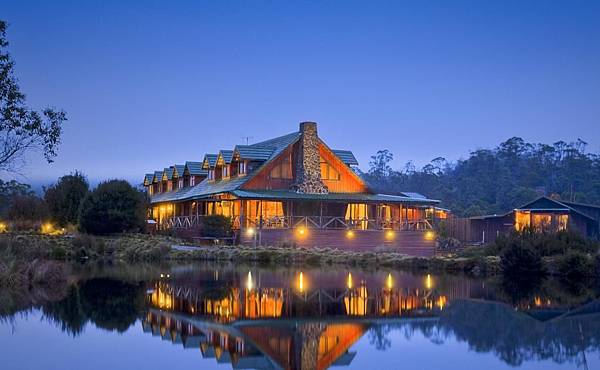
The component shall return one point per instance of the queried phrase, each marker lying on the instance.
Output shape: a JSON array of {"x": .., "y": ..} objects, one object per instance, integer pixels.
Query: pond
[{"x": 245, "y": 317}]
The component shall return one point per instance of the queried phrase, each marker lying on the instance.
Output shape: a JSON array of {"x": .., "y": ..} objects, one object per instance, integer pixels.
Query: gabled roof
[
  {"x": 225, "y": 157},
  {"x": 195, "y": 168},
  {"x": 148, "y": 179},
  {"x": 548, "y": 204},
  {"x": 346, "y": 156},
  {"x": 157, "y": 176},
  {"x": 209, "y": 162},
  {"x": 252, "y": 153},
  {"x": 168, "y": 173},
  {"x": 540, "y": 204},
  {"x": 207, "y": 188},
  {"x": 179, "y": 168}
]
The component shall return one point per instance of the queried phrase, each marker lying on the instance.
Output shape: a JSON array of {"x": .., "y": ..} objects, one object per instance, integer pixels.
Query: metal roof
[
  {"x": 249, "y": 152},
  {"x": 225, "y": 156},
  {"x": 178, "y": 170},
  {"x": 157, "y": 176},
  {"x": 207, "y": 188},
  {"x": 195, "y": 168},
  {"x": 346, "y": 156},
  {"x": 413, "y": 194},
  {"x": 332, "y": 197},
  {"x": 210, "y": 160},
  {"x": 168, "y": 173},
  {"x": 148, "y": 179}
]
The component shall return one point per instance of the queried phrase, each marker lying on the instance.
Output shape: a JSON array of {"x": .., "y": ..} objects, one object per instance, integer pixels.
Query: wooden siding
[
  {"x": 411, "y": 243},
  {"x": 263, "y": 180},
  {"x": 349, "y": 182}
]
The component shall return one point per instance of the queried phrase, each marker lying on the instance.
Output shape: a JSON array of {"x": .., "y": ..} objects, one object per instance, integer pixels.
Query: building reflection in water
[{"x": 259, "y": 320}]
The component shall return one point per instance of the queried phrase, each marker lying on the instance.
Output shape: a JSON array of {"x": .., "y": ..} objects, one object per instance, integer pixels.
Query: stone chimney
[{"x": 308, "y": 166}]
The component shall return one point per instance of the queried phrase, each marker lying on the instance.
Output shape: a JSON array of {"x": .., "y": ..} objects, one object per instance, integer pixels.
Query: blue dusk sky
[{"x": 147, "y": 84}]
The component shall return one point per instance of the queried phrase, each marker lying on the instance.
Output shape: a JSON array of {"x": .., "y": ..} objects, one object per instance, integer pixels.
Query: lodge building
[{"x": 295, "y": 189}]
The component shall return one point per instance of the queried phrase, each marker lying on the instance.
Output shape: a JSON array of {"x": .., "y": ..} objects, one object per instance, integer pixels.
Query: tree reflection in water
[{"x": 317, "y": 325}]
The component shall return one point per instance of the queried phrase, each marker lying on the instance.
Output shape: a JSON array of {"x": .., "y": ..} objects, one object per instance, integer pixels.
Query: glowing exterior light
[
  {"x": 3, "y": 227},
  {"x": 301, "y": 231},
  {"x": 251, "y": 231},
  {"x": 389, "y": 282},
  {"x": 47, "y": 228},
  {"x": 389, "y": 235},
  {"x": 350, "y": 234},
  {"x": 428, "y": 282},
  {"x": 429, "y": 235},
  {"x": 249, "y": 282},
  {"x": 349, "y": 282}
]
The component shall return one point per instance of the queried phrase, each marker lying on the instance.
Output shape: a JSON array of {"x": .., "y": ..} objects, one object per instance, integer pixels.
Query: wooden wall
[
  {"x": 349, "y": 182},
  {"x": 413, "y": 243},
  {"x": 263, "y": 181}
]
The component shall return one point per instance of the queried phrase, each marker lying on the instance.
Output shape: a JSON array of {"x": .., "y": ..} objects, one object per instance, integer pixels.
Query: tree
[
  {"x": 27, "y": 207},
  {"x": 114, "y": 206},
  {"x": 21, "y": 129},
  {"x": 64, "y": 198},
  {"x": 10, "y": 190}
]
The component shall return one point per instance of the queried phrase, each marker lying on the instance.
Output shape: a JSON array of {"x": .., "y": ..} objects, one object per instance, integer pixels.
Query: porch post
[{"x": 320, "y": 215}]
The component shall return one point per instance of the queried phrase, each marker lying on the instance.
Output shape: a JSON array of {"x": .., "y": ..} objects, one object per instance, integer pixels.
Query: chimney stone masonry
[{"x": 308, "y": 166}]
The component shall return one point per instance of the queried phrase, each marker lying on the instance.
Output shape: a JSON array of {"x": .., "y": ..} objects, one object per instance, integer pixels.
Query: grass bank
[{"x": 562, "y": 255}]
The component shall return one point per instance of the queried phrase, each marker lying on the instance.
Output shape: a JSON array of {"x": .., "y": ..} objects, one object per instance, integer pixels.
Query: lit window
[
  {"x": 225, "y": 171},
  {"x": 211, "y": 175},
  {"x": 328, "y": 172},
  {"x": 180, "y": 183},
  {"x": 192, "y": 180},
  {"x": 242, "y": 168}
]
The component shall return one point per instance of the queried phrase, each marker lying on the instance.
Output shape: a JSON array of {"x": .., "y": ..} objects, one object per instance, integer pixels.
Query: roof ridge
[{"x": 274, "y": 140}]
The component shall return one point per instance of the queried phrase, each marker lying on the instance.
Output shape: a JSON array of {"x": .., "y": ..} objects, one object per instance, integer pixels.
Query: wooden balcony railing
[{"x": 310, "y": 222}]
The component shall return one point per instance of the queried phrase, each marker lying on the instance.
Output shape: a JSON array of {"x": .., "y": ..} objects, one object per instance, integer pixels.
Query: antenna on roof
[{"x": 247, "y": 138}]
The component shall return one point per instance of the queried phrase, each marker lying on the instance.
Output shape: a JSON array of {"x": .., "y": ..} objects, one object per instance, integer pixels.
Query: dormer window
[
  {"x": 192, "y": 180},
  {"x": 242, "y": 168},
  {"x": 225, "y": 171},
  {"x": 180, "y": 181},
  {"x": 211, "y": 175}
]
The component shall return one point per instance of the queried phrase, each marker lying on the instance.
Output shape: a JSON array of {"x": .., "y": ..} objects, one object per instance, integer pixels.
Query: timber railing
[{"x": 310, "y": 222}]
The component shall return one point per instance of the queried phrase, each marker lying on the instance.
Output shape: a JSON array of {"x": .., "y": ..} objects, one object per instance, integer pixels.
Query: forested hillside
[{"x": 496, "y": 180}]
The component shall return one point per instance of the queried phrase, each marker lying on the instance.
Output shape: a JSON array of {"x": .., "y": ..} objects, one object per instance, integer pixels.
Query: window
[
  {"x": 150, "y": 190},
  {"x": 211, "y": 175},
  {"x": 225, "y": 171},
  {"x": 328, "y": 172},
  {"x": 242, "y": 168},
  {"x": 358, "y": 215},
  {"x": 180, "y": 183},
  {"x": 522, "y": 220},
  {"x": 192, "y": 180},
  {"x": 282, "y": 170}
]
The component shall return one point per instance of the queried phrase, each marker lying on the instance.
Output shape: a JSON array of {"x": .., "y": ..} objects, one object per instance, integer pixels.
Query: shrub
[
  {"x": 114, "y": 206},
  {"x": 575, "y": 265},
  {"x": 520, "y": 260},
  {"x": 64, "y": 198},
  {"x": 216, "y": 226}
]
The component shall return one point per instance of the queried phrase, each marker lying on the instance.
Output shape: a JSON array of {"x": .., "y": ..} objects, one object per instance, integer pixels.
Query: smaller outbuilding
[{"x": 543, "y": 214}]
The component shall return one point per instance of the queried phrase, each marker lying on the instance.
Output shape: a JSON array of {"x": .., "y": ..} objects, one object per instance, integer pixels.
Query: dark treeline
[{"x": 496, "y": 180}]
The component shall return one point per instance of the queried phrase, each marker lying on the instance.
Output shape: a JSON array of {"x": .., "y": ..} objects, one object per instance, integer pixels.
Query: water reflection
[{"x": 252, "y": 318}]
